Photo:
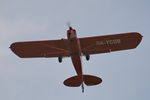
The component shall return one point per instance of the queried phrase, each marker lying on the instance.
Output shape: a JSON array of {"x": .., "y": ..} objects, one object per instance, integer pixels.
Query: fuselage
[{"x": 75, "y": 50}]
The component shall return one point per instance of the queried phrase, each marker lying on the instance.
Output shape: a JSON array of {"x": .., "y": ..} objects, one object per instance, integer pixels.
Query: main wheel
[
  {"x": 60, "y": 59},
  {"x": 87, "y": 56}
]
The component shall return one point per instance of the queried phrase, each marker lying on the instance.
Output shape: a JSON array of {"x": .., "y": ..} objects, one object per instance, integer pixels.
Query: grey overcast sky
[{"x": 125, "y": 74}]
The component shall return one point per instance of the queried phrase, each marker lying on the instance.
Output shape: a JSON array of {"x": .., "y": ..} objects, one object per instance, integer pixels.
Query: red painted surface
[{"x": 75, "y": 47}]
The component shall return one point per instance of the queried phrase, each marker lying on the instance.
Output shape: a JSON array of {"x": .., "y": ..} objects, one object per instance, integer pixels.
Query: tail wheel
[
  {"x": 60, "y": 59},
  {"x": 87, "y": 56}
]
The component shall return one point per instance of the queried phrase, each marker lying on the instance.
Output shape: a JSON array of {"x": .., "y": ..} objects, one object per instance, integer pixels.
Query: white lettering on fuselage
[{"x": 108, "y": 42}]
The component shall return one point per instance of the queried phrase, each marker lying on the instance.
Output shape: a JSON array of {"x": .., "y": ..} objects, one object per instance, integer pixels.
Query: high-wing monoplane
[{"x": 75, "y": 48}]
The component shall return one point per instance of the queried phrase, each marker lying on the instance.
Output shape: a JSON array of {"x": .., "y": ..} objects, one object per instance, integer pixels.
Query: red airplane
[{"x": 76, "y": 48}]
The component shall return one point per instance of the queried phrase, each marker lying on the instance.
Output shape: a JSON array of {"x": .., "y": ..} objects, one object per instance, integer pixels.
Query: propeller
[{"x": 69, "y": 25}]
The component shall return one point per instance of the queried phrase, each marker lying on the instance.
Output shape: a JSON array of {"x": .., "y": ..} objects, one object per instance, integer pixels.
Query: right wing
[
  {"x": 48, "y": 48},
  {"x": 108, "y": 43}
]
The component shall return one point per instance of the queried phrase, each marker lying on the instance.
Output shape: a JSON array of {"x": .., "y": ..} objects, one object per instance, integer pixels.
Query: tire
[
  {"x": 87, "y": 56},
  {"x": 60, "y": 59}
]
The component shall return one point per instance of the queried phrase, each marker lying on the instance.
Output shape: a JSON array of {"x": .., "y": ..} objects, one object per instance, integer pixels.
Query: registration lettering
[{"x": 108, "y": 42}]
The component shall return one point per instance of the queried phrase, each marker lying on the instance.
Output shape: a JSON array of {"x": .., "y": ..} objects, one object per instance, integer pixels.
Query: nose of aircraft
[{"x": 70, "y": 28}]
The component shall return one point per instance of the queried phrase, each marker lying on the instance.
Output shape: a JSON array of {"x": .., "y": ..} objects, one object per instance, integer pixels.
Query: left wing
[
  {"x": 48, "y": 48},
  {"x": 108, "y": 43}
]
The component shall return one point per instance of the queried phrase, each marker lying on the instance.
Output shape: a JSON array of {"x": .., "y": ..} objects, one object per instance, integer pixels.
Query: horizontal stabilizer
[
  {"x": 90, "y": 80},
  {"x": 74, "y": 81}
]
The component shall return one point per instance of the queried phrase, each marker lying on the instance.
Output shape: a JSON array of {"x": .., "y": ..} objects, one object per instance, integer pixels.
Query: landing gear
[
  {"x": 82, "y": 88},
  {"x": 60, "y": 59},
  {"x": 87, "y": 56}
]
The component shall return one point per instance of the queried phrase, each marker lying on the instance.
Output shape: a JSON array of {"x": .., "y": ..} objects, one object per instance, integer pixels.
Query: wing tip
[
  {"x": 138, "y": 37},
  {"x": 14, "y": 49}
]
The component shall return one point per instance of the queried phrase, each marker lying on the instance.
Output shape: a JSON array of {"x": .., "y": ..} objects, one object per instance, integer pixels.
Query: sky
[{"x": 125, "y": 74}]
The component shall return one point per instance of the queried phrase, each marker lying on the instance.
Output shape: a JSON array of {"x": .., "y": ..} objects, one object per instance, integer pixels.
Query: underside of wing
[
  {"x": 108, "y": 43},
  {"x": 48, "y": 48}
]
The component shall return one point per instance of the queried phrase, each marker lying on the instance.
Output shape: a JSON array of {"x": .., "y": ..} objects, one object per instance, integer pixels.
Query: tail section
[{"x": 76, "y": 81}]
